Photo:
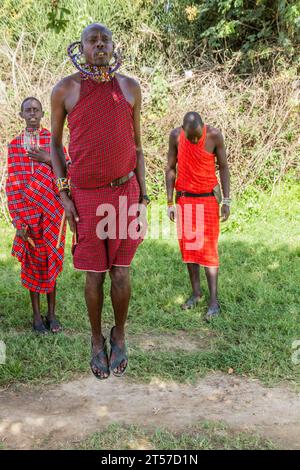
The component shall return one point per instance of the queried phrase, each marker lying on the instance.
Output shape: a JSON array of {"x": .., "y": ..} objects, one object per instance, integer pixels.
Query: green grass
[
  {"x": 205, "y": 436},
  {"x": 258, "y": 289}
]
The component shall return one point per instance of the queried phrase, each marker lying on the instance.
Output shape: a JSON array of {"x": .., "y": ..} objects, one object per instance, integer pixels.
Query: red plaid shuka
[
  {"x": 197, "y": 218},
  {"x": 33, "y": 202}
]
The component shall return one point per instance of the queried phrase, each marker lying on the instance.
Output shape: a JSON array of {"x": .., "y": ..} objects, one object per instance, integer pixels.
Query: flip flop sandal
[
  {"x": 53, "y": 325},
  {"x": 212, "y": 313},
  {"x": 191, "y": 302},
  {"x": 120, "y": 356},
  {"x": 40, "y": 329},
  {"x": 97, "y": 361}
]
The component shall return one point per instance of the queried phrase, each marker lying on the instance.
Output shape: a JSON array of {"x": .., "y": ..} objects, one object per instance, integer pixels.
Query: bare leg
[
  {"x": 35, "y": 302},
  {"x": 194, "y": 273},
  {"x": 212, "y": 280},
  {"x": 120, "y": 296},
  {"x": 51, "y": 296},
  {"x": 51, "y": 304},
  {"x": 94, "y": 303}
]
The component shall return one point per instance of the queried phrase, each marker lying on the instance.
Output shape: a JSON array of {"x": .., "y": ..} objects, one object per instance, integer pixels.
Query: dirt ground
[{"x": 39, "y": 417}]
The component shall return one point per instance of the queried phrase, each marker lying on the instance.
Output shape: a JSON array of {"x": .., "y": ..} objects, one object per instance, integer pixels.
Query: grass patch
[
  {"x": 258, "y": 289},
  {"x": 205, "y": 436}
]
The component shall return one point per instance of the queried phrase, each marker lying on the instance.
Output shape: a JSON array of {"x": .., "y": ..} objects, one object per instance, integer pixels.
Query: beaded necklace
[
  {"x": 99, "y": 73},
  {"x": 30, "y": 138}
]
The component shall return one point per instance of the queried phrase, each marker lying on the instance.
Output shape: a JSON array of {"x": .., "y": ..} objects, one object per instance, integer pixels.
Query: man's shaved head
[
  {"x": 30, "y": 98},
  {"x": 97, "y": 27},
  {"x": 192, "y": 126},
  {"x": 192, "y": 120},
  {"x": 97, "y": 44},
  {"x": 32, "y": 112}
]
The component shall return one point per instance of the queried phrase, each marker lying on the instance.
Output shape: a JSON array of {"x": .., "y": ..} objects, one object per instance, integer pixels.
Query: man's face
[
  {"x": 193, "y": 134},
  {"x": 97, "y": 46},
  {"x": 32, "y": 113}
]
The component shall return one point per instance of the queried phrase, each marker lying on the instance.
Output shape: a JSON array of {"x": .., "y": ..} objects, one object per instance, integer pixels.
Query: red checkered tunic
[
  {"x": 197, "y": 218},
  {"x": 33, "y": 202},
  {"x": 102, "y": 146}
]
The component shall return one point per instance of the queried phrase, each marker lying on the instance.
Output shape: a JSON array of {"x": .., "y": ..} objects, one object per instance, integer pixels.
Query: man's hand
[
  {"x": 144, "y": 202},
  {"x": 172, "y": 213},
  {"x": 70, "y": 210},
  {"x": 22, "y": 233},
  {"x": 225, "y": 212},
  {"x": 142, "y": 218},
  {"x": 39, "y": 155}
]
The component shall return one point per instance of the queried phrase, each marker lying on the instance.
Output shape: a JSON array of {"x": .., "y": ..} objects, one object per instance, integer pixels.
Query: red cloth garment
[
  {"x": 196, "y": 172},
  {"x": 94, "y": 253},
  {"x": 198, "y": 239},
  {"x": 102, "y": 146},
  {"x": 34, "y": 202},
  {"x": 197, "y": 217}
]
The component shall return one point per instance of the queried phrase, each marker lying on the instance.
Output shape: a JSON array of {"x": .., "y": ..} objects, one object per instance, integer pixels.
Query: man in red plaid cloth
[
  {"x": 36, "y": 212},
  {"x": 103, "y": 111}
]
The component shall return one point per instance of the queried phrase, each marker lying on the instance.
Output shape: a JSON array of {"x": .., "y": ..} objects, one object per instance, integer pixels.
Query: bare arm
[
  {"x": 224, "y": 172},
  {"x": 171, "y": 173},
  {"x": 58, "y": 116},
  {"x": 223, "y": 165},
  {"x": 171, "y": 166},
  {"x": 140, "y": 164}
]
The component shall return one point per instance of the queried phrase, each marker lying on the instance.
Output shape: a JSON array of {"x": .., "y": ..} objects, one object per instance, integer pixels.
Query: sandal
[
  {"x": 53, "y": 325},
  {"x": 191, "y": 302},
  {"x": 39, "y": 328},
  {"x": 120, "y": 356},
  {"x": 97, "y": 361},
  {"x": 212, "y": 313}
]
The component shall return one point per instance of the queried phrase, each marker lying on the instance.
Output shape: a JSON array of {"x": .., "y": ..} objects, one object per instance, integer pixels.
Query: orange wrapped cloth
[{"x": 197, "y": 217}]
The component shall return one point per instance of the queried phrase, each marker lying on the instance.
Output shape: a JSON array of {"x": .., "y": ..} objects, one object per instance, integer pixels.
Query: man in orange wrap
[{"x": 194, "y": 149}]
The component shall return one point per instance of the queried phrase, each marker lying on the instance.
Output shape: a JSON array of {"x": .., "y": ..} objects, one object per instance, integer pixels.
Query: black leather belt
[
  {"x": 122, "y": 180},
  {"x": 187, "y": 194},
  {"x": 115, "y": 183}
]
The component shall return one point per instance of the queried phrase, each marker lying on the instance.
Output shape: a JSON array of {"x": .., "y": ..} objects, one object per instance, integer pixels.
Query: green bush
[{"x": 241, "y": 54}]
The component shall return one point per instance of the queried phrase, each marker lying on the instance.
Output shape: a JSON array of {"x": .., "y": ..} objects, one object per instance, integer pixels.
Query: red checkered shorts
[{"x": 108, "y": 229}]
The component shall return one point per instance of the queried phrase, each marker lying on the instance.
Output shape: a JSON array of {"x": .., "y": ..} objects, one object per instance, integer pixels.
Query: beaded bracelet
[
  {"x": 170, "y": 204},
  {"x": 63, "y": 184},
  {"x": 226, "y": 201}
]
